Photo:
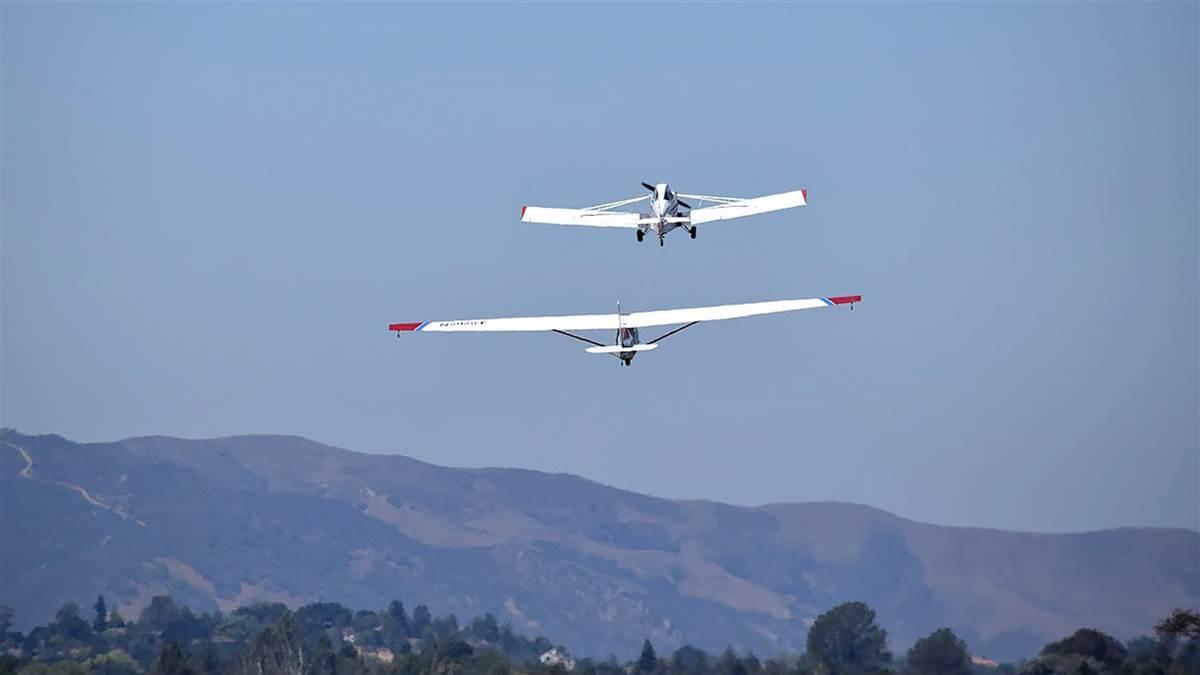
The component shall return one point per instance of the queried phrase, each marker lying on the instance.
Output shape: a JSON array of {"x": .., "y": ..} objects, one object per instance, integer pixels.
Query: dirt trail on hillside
[{"x": 27, "y": 472}]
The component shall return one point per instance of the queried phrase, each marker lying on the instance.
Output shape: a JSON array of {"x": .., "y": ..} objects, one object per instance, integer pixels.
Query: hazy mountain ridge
[{"x": 225, "y": 521}]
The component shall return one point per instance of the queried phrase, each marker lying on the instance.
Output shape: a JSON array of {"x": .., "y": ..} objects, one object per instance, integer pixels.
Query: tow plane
[
  {"x": 627, "y": 343},
  {"x": 668, "y": 210}
]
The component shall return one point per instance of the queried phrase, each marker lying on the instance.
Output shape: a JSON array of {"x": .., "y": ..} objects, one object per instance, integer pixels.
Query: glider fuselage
[{"x": 628, "y": 337}]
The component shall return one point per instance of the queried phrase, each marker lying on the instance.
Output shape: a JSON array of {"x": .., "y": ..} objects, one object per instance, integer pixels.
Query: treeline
[
  {"x": 319, "y": 638},
  {"x": 329, "y": 639}
]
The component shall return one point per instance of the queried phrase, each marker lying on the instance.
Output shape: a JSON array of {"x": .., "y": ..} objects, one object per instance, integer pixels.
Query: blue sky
[{"x": 211, "y": 212}]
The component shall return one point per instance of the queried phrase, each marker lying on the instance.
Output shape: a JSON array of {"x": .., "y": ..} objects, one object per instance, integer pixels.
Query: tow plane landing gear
[
  {"x": 641, "y": 235},
  {"x": 692, "y": 232}
]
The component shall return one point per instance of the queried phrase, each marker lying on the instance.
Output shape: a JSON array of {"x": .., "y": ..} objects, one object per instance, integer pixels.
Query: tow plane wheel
[
  {"x": 693, "y": 231},
  {"x": 641, "y": 235}
]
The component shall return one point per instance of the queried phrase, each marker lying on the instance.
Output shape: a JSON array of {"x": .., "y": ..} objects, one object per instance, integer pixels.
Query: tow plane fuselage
[{"x": 666, "y": 213}]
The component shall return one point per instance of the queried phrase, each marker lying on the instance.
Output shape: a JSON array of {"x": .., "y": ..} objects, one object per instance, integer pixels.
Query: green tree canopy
[
  {"x": 6, "y": 615},
  {"x": 1089, "y": 644},
  {"x": 846, "y": 639},
  {"x": 161, "y": 611},
  {"x": 421, "y": 621},
  {"x": 58, "y": 668},
  {"x": 100, "y": 623},
  {"x": 279, "y": 648},
  {"x": 728, "y": 663},
  {"x": 1182, "y": 623},
  {"x": 940, "y": 653},
  {"x": 648, "y": 661},
  {"x": 114, "y": 662},
  {"x": 172, "y": 661},
  {"x": 687, "y": 660},
  {"x": 445, "y": 628},
  {"x": 485, "y": 628},
  {"x": 454, "y": 649},
  {"x": 396, "y": 628},
  {"x": 324, "y": 659},
  {"x": 264, "y": 613},
  {"x": 69, "y": 625},
  {"x": 207, "y": 657}
]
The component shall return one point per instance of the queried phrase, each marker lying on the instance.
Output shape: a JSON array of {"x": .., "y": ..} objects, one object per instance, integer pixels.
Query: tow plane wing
[
  {"x": 586, "y": 217},
  {"x": 727, "y": 208},
  {"x": 601, "y": 215}
]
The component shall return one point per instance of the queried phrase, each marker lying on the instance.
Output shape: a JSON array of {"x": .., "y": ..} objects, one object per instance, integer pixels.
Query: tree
[
  {"x": 445, "y": 628},
  {"x": 1088, "y": 643},
  {"x": 1182, "y": 623},
  {"x": 161, "y": 611},
  {"x": 1187, "y": 659},
  {"x": 846, "y": 639},
  {"x": 1060, "y": 664},
  {"x": 57, "y": 668},
  {"x": 115, "y": 662},
  {"x": 207, "y": 658},
  {"x": 687, "y": 660},
  {"x": 729, "y": 663},
  {"x": 115, "y": 620},
  {"x": 648, "y": 661},
  {"x": 395, "y": 624},
  {"x": 69, "y": 625},
  {"x": 279, "y": 648},
  {"x": 454, "y": 649},
  {"x": 322, "y": 618},
  {"x": 100, "y": 623},
  {"x": 6, "y": 615},
  {"x": 264, "y": 613},
  {"x": 1147, "y": 655},
  {"x": 486, "y": 628},
  {"x": 491, "y": 662},
  {"x": 781, "y": 664},
  {"x": 940, "y": 653},
  {"x": 368, "y": 629},
  {"x": 172, "y": 661},
  {"x": 421, "y": 621},
  {"x": 324, "y": 660},
  {"x": 186, "y": 627}
]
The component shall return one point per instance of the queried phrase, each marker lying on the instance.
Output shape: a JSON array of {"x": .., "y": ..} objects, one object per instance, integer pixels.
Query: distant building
[
  {"x": 557, "y": 658},
  {"x": 348, "y": 635},
  {"x": 382, "y": 654},
  {"x": 984, "y": 663}
]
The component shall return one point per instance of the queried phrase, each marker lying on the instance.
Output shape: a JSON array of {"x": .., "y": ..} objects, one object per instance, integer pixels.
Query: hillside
[{"x": 219, "y": 523}]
